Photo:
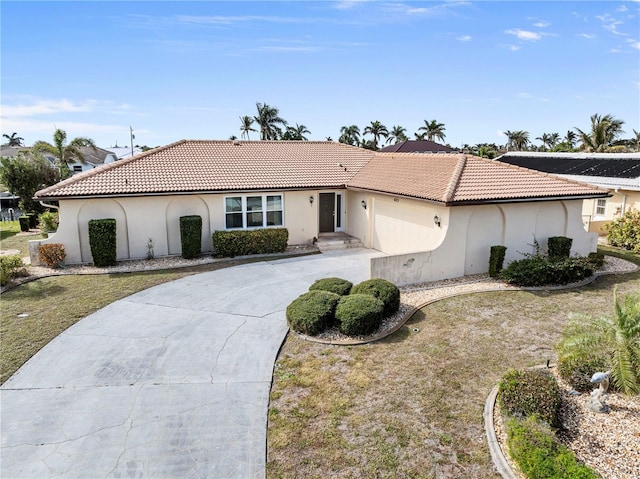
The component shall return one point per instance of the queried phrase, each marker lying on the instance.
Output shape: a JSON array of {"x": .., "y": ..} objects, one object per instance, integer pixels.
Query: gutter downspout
[{"x": 47, "y": 205}]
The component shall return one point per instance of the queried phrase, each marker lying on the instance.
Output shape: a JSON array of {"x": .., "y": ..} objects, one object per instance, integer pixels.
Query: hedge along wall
[
  {"x": 190, "y": 234},
  {"x": 102, "y": 240},
  {"x": 244, "y": 242}
]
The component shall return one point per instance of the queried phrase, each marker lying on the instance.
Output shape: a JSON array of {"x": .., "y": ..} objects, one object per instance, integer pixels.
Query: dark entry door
[{"x": 327, "y": 212}]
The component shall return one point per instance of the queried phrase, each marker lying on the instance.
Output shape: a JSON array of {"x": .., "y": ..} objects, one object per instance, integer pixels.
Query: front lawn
[
  {"x": 12, "y": 238},
  {"x": 411, "y": 405}
]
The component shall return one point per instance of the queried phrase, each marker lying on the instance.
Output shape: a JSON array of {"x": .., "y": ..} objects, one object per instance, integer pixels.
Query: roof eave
[{"x": 529, "y": 200}]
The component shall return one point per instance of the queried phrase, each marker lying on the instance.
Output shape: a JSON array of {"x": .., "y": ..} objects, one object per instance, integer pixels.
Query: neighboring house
[
  {"x": 418, "y": 146},
  {"x": 434, "y": 216},
  {"x": 12, "y": 152},
  {"x": 619, "y": 173},
  {"x": 123, "y": 152},
  {"x": 93, "y": 158}
]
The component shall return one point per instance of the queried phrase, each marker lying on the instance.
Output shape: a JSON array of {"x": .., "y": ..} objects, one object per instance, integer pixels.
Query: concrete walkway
[{"x": 171, "y": 382}]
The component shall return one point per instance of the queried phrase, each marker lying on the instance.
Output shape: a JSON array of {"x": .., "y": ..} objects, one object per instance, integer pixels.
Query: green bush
[
  {"x": 382, "y": 289},
  {"x": 102, "y": 240},
  {"x": 190, "y": 236},
  {"x": 52, "y": 254},
  {"x": 540, "y": 455},
  {"x": 596, "y": 259},
  {"x": 312, "y": 312},
  {"x": 244, "y": 242},
  {"x": 625, "y": 231},
  {"x": 539, "y": 271},
  {"x": 48, "y": 222},
  {"x": 559, "y": 247},
  {"x": 359, "y": 314},
  {"x": 24, "y": 223},
  {"x": 578, "y": 372},
  {"x": 335, "y": 285},
  {"x": 496, "y": 260},
  {"x": 9, "y": 266},
  {"x": 530, "y": 392}
]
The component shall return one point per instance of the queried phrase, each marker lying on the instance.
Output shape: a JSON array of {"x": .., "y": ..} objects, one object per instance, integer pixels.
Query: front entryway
[{"x": 331, "y": 212}]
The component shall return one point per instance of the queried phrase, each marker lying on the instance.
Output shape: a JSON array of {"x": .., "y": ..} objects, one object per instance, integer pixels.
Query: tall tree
[
  {"x": 13, "y": 140},
  {"x": 545, "y": 141},
  {"x": 246, "y": 125},
  {"x": 636, "y": 140},
  {"x": 517, "y": 140},
  {"x": 420, "y": 136},
  {"x": 268, "y": 120},
  {"x": 349, "y": 135},
  {"x": 66, "y": 153},
  {"x": 377, "y": 130},
  {"x": 604, "y": 131},
  {"x": 397, "y": 134},
  {"x": 27, "y": 173},
  {"x": 570, "y": 138},
  {"x": 296, "y": 133},
  {"x": 433, "y": 130}
]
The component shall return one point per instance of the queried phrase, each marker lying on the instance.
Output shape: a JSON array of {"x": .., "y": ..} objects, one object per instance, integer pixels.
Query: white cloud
[
  {"x": 524, "y": 34},
  {"x": 610, "y": 23},
  {"x": 622, "y": 8},
  {"x": 227, "y": 20},
  {"x": 588, "y": 36},
  {"x": 46, "y": 107},
  {"x": 541, "y": 24},
  {"x": 287, "y": 49},
  {"x": 634, "y": 44},
  {"x": 464, "y": 38},
  {"x": 347, "y": 4},
  {"x": 514, "y": 48},
  {"x": 528, "y": 96}
]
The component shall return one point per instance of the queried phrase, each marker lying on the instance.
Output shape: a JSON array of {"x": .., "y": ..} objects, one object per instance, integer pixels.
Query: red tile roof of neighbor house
[{"x": 193, "y": 166}]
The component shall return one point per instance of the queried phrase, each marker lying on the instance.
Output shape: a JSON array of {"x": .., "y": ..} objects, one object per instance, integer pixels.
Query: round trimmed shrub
[
  {"x": 529, "y": 392},
  {"x": 335, "y": 285},
  {"x": 578, "y": 372},
  {"x": 384, "y": 290},
  {"x": 312, "y": 312},
  {"x": 359, "y": 314}
]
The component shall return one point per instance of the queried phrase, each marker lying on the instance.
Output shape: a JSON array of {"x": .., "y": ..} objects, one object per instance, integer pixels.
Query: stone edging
[{"x": 497, "y": 456}]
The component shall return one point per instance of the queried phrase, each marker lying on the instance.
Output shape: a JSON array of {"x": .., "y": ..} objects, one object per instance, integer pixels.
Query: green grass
[
  {"x": 11, "y": 238},
  {"x": 411, "y": 405}
]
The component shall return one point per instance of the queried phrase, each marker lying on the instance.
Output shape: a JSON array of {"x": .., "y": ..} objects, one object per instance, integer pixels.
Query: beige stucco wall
[
  {"x": 621, "y": 202},
  {"x": 139, "y": 219},
  {"x": 472, "y": 230}
]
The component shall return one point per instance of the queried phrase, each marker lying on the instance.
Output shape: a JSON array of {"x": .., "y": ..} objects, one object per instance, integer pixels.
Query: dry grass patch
[{"x": 410, "y": 406}]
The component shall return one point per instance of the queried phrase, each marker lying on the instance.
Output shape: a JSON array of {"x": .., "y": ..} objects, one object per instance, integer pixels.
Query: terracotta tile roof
[
  {"x": 463, "y": 179},
  {"x": 190, "y": 166}
]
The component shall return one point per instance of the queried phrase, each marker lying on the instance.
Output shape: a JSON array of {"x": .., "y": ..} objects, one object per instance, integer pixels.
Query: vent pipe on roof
[{"x": 236, "y": 142}]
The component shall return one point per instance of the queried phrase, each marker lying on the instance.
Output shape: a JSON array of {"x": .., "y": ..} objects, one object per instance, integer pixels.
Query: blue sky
[{"x": 175, "y": 70}]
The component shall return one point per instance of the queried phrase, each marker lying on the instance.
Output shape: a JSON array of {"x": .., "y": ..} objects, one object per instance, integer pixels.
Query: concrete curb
[{"x": 497, "y": 456}]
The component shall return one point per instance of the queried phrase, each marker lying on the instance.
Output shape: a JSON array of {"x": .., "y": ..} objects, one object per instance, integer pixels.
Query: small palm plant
[{"x": 616, "y": 338}]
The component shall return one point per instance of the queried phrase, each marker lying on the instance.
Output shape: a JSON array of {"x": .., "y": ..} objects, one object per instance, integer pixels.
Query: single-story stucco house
[
  {"x": 619, "y": 173},
  {"x": 434, "y": 216}
]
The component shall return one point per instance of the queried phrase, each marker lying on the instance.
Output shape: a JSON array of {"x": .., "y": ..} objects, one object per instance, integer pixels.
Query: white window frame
[
  {"x": 600, "y": 206},
  {"x": 264, "y": 210}
]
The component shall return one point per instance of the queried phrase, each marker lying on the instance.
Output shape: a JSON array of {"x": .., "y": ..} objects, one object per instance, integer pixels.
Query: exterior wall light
[
  {"x": 363, "y": 203},
  {"x": 436, "y": 220},
  {"x": 311, "y": 199}
]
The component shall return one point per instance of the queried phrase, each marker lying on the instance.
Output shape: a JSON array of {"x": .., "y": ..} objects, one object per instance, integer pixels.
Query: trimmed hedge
[
  {"x": 190, "y": 236},
  {"x": 102, "y": 240},
  {"x": 530, "y": 392},
  {"x": 540, "y": 455},
  {"x": 335, "y": 285},
  {"x": 52, "y": 254},
  {"x": 559, "y": 247},
  {"x": 540, "y": 271},
  {"x": 496, "y": 260},
  {"x": 359, "y": 314},
  {"x": 312, "y": 312},
  {"x": 9, "y": 266},
  {"x": 245, "y": 242},
  {"x": 382, "y": 289}
]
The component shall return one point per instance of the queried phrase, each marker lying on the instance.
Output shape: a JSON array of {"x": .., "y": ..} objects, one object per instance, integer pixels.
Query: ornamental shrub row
[
  {"x": 102, "y": 240},
  {"x": 540, "y": 271},
  {"x": 245, "y": 242},
  {"x": 625, "y": 231},
  {"x": 356, "y": 310}
]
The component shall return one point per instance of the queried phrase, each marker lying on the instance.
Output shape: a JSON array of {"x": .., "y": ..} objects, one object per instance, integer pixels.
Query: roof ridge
[
  {"x": 105, "y": 167},
  {"x": 455, "y": 179},
  {"x": 543, "y": 173}
]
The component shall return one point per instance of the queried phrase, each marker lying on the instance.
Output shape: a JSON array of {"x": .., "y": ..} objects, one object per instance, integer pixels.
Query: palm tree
[
  {"x": 616, "y": 338},
  {"x": 246, "y": 125},
  {"x": 377, "y": 130},
  {"x": 517, "y": 140},
  {"x": 420, "y": 136},
  {"x": 545, "y": 141},
  {"x": 66, "y": 153},
  {"x": 433, "y": 130},
  {"x": 268, "y": 119},
  {"x": 13, "y": 140},
  {"x": 349, "y": 135},
  {"x": 397, "y": 134},
  {"x": 554, "y": 139},
  {"x": 296, "y": 133},
  {"x": 604, "y": 130},
  {"x": 636, "y": 140},
  {"x": 570, "y": 138}
]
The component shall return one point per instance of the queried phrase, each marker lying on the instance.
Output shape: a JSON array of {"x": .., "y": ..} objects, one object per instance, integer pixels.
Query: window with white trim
[
  {"x": 253, "y": 211},
  {"x": 601, "y": 205}
]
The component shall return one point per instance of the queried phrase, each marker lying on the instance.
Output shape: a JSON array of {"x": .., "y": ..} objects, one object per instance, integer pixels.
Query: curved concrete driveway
[{"x": 170, "y": 382}]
